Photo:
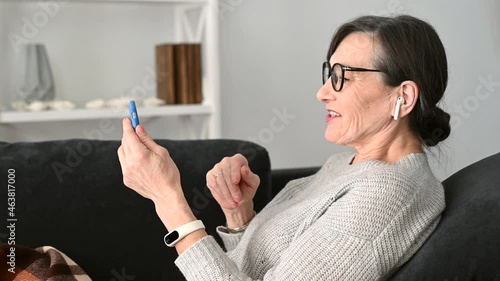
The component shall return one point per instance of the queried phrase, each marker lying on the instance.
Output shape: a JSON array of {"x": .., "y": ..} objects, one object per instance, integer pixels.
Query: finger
[
  {"x": 140, "y": 129},
  {"x": 211, "y": 182},
  {"x": 235, "y": 172},
  {"x": 130, "y": 140},
  {"x": 232, "y": 176},
  {"x": 147, "y": 140},
  {"x": 127, "y": 126},
  {"x": 241, "y": 159},
  {"x": 249, "y": 177},
  {"x": 230, "y": 169},
  {"x": 223, "y": 188},
  {"x": 215, "y": 193},
  {"x": 209, "y": 178}
]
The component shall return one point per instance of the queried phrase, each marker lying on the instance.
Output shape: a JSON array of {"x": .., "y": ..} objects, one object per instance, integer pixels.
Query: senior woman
[{"x": 363, "y": 214}]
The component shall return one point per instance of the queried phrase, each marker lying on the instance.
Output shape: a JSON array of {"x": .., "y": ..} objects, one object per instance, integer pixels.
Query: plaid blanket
[{"x": 43, "y": 263}]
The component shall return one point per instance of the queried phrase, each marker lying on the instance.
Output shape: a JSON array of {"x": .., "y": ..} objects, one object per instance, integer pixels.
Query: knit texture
[{"x": 346, "y": 222}]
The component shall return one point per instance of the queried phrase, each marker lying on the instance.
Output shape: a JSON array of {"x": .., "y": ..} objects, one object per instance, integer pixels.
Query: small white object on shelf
[
  {"x": 37, "y": 106},
  {"x": 95, "y": 104},
  {"x": 153, "y": 102},
  {"x": 19, "y": 105},
  {"x": 118, "y": 103},
  {"x": 61, "y": 105}
]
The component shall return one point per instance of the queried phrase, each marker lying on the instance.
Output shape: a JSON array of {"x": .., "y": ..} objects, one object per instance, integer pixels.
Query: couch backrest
[
  {"x": 466, "y": 243},
  {"x": 70, "y": 195}
]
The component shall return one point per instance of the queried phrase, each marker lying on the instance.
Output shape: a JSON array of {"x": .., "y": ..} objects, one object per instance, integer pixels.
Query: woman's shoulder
[
  {"x": 391, "y": 184},
  {"x": 381, "y": 194},
  {"x": 411, "y": 172}
]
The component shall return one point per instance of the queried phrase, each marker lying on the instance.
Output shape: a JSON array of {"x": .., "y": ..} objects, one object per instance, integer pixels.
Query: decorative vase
[{"x": 35, "y": 79}]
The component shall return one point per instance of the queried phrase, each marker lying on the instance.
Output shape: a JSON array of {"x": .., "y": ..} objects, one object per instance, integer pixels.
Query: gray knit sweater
[{"x": 347, "y": 222}]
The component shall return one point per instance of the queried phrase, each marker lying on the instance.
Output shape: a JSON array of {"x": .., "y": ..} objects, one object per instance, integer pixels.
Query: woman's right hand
[{"x": 233, "y": 186}]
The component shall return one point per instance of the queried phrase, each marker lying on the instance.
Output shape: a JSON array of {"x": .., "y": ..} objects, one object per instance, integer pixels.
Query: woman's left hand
[{"x": 147, "y": 167}]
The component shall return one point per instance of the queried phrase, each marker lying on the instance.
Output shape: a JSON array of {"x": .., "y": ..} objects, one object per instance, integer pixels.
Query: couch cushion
[
  {"x": 466, "y": 243},
  {"x": 70, "y": 195}
]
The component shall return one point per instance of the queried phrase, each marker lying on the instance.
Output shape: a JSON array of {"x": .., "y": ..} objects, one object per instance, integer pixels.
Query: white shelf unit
[
  {"x": 206, "y": 32},
  {"x": 12, "y": 117}
]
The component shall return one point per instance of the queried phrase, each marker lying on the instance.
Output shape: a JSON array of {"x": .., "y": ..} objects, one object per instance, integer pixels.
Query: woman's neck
[{"x": 388, "y": 146}]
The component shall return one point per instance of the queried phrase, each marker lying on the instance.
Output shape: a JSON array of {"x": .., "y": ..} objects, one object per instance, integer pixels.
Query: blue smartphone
[{"x": 133, "y": 114}]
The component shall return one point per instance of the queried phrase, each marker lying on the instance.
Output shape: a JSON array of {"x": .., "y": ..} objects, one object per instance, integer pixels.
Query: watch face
[{"x": 171, "y": 237}]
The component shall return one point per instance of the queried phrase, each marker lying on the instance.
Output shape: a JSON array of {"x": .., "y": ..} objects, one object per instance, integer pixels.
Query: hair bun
[{"x": 436, "y": 127}]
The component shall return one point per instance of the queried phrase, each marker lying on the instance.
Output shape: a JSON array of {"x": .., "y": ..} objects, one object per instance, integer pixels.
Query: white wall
[
  {"x": 271, "y": 57},
  {"x": 97, "y": 50},
  {"x": 271, "y": 53}
]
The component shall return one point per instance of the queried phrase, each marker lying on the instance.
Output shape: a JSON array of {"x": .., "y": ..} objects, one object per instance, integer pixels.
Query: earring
[{"x": 398, "y": 106}]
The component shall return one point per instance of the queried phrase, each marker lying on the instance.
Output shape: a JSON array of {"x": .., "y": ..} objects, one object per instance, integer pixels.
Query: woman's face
[{"x": 361, "y": 110}]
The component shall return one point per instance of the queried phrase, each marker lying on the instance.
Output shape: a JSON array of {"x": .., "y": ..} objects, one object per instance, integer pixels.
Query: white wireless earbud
[{"x": 398, "y": 106}]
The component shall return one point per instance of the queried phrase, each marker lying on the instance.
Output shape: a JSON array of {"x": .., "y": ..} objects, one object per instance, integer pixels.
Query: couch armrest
[{"x": 280, "y": 177}]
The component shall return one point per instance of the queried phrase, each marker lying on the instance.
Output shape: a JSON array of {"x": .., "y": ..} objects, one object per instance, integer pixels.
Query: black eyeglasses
[{"x": 337, "y": 71}]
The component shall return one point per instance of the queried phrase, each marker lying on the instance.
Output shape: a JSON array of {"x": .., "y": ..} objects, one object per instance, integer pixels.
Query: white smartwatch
[{"x": 182, "y": 231}]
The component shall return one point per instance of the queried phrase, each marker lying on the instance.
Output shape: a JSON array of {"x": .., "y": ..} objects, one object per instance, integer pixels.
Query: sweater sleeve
[
  {"x": 324, "y": 250},
  {"x": 320, "y": 253},
  {"x": 230, "y": 240},
  {"x": 341, "y": 243}
]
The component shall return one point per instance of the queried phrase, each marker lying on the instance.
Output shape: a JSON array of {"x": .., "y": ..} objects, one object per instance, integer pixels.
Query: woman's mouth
[{"x": 332, "y": 115}]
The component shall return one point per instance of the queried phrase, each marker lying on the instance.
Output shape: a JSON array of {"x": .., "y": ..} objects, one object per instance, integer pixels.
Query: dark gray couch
[
  {"x": 70, "y": 195},
  {"x": 466, "y": 243}
]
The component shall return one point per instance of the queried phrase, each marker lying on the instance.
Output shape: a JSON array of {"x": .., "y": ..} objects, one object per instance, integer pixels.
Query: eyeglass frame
[{"x": 344, "y": 69}]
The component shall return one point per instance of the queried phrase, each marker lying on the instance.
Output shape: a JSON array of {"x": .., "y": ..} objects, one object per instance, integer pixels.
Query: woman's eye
[{"x": 346, "y": 79}]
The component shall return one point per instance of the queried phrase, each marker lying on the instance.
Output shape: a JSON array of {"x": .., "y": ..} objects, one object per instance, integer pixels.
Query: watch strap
[{"x": 182, "y": 231}]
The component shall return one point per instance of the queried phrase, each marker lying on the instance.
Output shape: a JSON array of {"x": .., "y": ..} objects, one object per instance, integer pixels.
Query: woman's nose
[{"x": 325, "y": 93}]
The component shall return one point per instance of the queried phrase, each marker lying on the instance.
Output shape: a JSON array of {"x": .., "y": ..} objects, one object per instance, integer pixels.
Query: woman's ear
[{"x": 408, "y": 90}]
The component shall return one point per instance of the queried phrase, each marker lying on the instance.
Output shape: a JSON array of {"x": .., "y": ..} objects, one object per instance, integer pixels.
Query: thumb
[
  {"x": 146, "y": 139},
  {"x": 249, "y": 177}
]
